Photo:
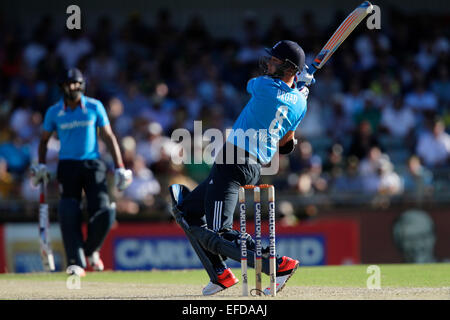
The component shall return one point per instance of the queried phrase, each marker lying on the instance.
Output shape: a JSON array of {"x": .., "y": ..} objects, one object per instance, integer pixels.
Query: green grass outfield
[{"x": 392, "y": 275}]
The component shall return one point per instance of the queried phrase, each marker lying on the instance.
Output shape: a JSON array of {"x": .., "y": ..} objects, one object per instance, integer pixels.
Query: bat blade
[
  {"x": 44, "y": 237},
  {"x": 346, "y": 27}
]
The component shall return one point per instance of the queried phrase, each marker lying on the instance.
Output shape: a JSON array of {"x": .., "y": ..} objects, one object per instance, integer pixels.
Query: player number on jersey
[{"x": 277, "y": 123}]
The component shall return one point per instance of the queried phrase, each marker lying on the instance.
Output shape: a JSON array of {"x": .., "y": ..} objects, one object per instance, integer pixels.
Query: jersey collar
[
  {"x": 82, "y": 103},
  {"x": 286, "y": 87}
]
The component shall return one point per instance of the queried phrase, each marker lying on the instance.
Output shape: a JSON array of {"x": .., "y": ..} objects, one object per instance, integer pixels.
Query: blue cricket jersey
[
  {"x": 77, "y": 129},
  {"x": 273, "y": 110}
]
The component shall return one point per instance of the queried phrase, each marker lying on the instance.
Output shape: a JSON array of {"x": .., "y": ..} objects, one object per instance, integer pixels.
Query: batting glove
[
  {"x": 305, "y": 77},
  {"x": 39, "y": 173},
  {"x": 305, "y": 91},
  {"x": 123, "y": 178}
]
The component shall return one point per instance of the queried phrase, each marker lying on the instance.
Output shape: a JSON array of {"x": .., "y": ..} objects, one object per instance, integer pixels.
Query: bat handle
[{"x": 312, "y": 69}]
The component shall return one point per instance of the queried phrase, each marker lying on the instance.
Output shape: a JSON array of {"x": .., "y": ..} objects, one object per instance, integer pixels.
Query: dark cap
[
  {"x": 289, "y": 51},
  {"x": 72, "y": 75}
]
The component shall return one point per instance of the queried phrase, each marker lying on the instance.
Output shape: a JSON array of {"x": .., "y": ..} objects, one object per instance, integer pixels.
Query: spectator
[
  {"x": 327, "y": 86},
  {"x": 20, "y": 121},
  {"x": 312, "y": 125},
  {"x": 417, "y": 180},
  {"x": 28, "y": 192},
  {"x": 420, "y": 99},
  {"x": 7, "y": 182},
  {"x": 385, "y": 88},
  {"x": 353, "y": 101},
  {"x": 102, "y": 68},
  {"x": 251, "y": 52},
  {"x": 367, "y": 44},
  {"x": 134, "y": 102},
  {"x": 162, "y": 111},
  {"x": 398, "y": 121},
  {"x": 17, "y": 154},
  {"x": 350, "y": 182},
  {"x": 335, "y": 162},
  {"x": 192, "y": 101},
  {"x": 73, "y": 47},
  {"x": 425, "y": 57},
  {"x": 369, "y": 165},
  {"x": 389, "y": 181},
  {"x": 35, "y": 51},
  {"x": 381, "y": 178},
  {"x": 339, "y": 125},
  {"x": 433, "y": 146},
  {"x": 312, "y": 181},
  {"x": 211, "y": 86},
  {"x": 121, "y": 124},
  {"x": 287, "y": 213},
  {"x": 300, "y": 159},
  {"x": 441, "y": 86},
  {"x": 227, "y": 96},
  {"x": 144, "y": 186},
  {"x": 363, "y": 140},
  {"x": 369, "y": 113},
  {"x": 128, "y": 145},
  {"x": 150, "y": 146}
]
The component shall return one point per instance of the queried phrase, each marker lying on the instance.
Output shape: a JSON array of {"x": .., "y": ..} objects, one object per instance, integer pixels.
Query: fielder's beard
[{"x": 72, "y": 95}]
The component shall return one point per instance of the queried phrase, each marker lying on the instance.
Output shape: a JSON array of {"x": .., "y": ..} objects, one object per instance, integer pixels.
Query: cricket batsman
[
  {"x": 271, "y": 117},
  {"x": 77, "y": 119}
]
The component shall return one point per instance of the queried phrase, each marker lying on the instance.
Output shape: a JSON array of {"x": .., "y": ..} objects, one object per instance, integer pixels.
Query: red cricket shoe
[
  {"x": 287, "y": 266},
  {"x": 225, "y": 280},
  {"x": 95, "y": 262},
  {"x": 286, "y": 269}
]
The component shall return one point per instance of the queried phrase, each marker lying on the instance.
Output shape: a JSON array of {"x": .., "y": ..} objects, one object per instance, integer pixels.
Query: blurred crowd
[{"x": 376, "y": 121}]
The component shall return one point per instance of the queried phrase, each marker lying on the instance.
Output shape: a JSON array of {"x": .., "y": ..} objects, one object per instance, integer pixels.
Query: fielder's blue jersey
[
  {"x": 77, "y": 129},
  {"x": 273, "y": 110}
]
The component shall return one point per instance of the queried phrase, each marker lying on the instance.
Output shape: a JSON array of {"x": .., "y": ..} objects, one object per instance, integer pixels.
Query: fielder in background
[
  {"x": 273, "y": 113},
  {"x": 77, "y": 118}
]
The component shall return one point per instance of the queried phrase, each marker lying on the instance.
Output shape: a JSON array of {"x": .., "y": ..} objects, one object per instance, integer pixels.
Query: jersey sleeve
[
  {"x": 49, "y": 122},
  {"x": 302, "y": 115},
  {"x": 102, "y": 117}
]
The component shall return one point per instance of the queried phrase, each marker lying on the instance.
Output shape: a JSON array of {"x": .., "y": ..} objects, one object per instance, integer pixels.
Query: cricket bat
[
  {"x": 44, "y": 231},
  {"x": 346, "y": 27}
]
